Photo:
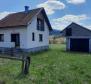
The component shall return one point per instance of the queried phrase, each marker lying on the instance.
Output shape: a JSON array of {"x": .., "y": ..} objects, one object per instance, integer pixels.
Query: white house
[
  {"x": 27, "y": 30},
  {"x": 78, "y": 38}
]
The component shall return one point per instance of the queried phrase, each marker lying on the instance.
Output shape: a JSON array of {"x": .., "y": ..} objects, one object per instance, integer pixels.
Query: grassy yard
[{"x": 55, "y": 66}]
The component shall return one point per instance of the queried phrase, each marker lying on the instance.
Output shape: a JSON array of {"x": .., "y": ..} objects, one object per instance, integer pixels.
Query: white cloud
[
  {"x": 76, "y": 1},
  {"x": 61, "y": 23},
  {"x": 51, "y": 6},
  {"x": 88, "y": 26},
  {"x": 3, "y": 14}
]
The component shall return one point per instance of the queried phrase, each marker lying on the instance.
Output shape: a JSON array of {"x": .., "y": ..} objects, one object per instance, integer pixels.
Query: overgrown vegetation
[{"x": 55, "y": 66}]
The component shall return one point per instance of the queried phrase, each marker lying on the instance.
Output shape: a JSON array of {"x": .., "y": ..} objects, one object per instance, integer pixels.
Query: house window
[
  {"x": 40, "y": 24},
  {"x": 33, "y": 36},
  {"x": 1, "y": 37},
  {"x": 40, "y": 37},
  {"x": 69, "y": 32}
]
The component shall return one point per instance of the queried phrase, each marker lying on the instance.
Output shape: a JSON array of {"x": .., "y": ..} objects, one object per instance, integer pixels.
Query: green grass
[{"x": 55, "y": 66}]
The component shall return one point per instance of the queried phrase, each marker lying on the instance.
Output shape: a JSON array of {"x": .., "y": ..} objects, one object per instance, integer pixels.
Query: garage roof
[{"x": 76, "y": 30}]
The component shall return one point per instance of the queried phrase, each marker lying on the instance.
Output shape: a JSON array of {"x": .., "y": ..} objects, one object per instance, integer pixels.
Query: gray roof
[{"x": 77, "y": 30}]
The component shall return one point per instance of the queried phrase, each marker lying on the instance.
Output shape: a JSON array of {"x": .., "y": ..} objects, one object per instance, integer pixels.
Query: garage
[
  {"x": 78, "y": 38},
  {"x": 81, "y": 45}
]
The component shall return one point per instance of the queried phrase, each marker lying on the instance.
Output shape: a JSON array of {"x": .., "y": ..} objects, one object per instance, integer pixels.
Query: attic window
[
  {"x": 40, "y": 24},
  {"x": 69, "y": 32}
]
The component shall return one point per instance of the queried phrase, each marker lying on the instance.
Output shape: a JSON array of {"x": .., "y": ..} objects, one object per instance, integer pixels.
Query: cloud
[
  {"x": 51, "y": 6},
  {"x": 76, "y": 2},
  {"x": 3, "y": 14},
  {"x": 61, "y": 23},
  {"x": 88, "y": 26}
]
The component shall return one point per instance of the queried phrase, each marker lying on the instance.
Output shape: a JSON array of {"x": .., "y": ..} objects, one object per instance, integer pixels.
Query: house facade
[
  {"x": 78, "y": 38},
  {"x": 27, "y": 30}
]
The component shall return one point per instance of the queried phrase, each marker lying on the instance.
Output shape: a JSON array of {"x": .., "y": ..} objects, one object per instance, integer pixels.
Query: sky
[{"x": 61, "y": 13}]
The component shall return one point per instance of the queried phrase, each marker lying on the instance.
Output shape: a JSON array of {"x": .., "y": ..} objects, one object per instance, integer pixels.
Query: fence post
[{"x": 25, "y": 65}]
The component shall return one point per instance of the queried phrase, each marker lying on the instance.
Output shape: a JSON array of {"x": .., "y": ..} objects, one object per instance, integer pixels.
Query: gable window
[
  {"x": 40, "y": 37},
  {"x": 33, "y": 36},
  {"x": 1, "y": 37},
  {"x": 40, "y": 24},
  {"x": 69, "y": 32}
]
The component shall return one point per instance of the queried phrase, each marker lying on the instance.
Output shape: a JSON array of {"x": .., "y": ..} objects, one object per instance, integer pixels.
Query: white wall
[
  {"x": 7, "y": 44},
  {"x": 68, "y": 44},
  {"x": 7, "y": 36},
  {"x": 90, "y": 45},
  {"x": 33, "y": 28}
]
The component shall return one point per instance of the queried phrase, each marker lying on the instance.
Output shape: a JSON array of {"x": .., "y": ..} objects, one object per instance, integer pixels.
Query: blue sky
[{"x": 60, "y": 12}]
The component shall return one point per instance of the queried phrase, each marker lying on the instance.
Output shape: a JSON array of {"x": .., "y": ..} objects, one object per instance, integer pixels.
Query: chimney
[{"x": 26, "y": 9}]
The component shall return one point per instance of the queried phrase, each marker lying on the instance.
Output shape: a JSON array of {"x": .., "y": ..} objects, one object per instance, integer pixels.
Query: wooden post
[{"x": 25, "y": 65}]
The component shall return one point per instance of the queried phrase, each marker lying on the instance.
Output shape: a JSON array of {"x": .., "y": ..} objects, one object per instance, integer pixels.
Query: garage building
[{"x": 78, "y": 38}]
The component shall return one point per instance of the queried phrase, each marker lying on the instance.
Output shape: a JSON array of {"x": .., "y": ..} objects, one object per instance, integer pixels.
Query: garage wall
[
  {"x": 68, "y": 44},
  {"x": 78, "y": 31},
  {"x": 90, "y": 45}
]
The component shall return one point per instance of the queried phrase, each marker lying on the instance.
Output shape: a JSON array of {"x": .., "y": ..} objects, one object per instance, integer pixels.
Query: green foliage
[{"x": 55, "y": 66}]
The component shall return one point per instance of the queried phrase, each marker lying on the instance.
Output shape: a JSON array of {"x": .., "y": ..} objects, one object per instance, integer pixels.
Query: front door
[{"x": 16, "y": 38}]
